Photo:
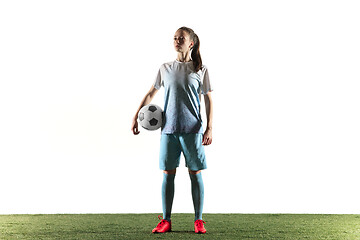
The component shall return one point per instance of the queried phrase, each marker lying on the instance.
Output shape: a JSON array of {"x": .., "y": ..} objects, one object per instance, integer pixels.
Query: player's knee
[
  {"x": 194, "y": 172},
  {"x": 170, "y": 171}
]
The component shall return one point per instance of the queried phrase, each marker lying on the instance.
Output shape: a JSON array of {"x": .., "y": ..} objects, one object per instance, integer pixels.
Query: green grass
[{"x": 219, "y": 226}]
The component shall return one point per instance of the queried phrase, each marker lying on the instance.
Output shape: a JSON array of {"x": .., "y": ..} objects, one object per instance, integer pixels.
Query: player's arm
[
  {"x": 207, "y": 138},
  {"x": 145, "y": 101}
]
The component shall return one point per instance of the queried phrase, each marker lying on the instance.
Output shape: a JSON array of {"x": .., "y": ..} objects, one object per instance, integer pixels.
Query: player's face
[{"x": 182, "y": 42}]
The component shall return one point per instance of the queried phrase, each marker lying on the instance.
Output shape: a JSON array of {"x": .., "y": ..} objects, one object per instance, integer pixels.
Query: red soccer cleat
[
  {"x": 163, "y": 226},
  {"x": 199, "y": 226}
]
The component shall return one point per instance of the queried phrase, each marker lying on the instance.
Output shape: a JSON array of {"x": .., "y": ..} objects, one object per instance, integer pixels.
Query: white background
[{"x": 286, "y": 98}]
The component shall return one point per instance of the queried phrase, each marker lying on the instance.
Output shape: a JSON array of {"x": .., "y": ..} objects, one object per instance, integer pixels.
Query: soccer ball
[{"x": 150, "y": 117}]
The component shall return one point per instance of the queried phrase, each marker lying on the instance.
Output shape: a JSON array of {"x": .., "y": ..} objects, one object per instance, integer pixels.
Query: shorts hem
[{"x": 200, "y": 169}]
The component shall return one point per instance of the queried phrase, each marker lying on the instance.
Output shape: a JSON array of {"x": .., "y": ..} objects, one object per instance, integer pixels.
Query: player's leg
[
  {"x": 195, "y": 160},
  {"x": 168, "y": 191},
  {"x": 197, "y": 191},
  {"x": 167, "y": 200},
  {"x": 169, "y": 160}
]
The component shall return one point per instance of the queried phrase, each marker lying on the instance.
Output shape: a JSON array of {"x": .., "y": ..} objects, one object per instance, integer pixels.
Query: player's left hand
[{"x": 207, "y": 137}]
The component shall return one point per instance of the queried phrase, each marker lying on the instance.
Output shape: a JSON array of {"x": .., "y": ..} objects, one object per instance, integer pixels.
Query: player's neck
[{"x": 183, "y": 57}]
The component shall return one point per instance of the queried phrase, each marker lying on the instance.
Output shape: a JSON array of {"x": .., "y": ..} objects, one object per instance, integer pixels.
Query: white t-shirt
[{"x": 182, "y": 96}]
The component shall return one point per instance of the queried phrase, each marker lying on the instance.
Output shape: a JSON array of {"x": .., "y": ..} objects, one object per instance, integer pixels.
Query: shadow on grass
[
  {"x": 186, "y": 232},
  {"x": 176, "y": 232}
]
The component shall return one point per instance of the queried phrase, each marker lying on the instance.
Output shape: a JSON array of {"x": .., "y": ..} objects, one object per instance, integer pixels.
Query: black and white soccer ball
[{"x": 150, "y": 117}]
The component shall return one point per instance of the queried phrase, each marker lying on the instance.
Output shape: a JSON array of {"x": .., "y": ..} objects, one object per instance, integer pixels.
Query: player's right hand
[{"x": 135, "y": 127}]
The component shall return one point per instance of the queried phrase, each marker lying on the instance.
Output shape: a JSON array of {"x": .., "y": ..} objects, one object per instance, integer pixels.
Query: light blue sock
[
  {"x": 168, "y": 190},
  {"x": 197, "y": 190}
]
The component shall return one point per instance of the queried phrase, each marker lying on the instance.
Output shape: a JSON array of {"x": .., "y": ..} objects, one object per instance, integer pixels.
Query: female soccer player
[{"x": 184, "y": 80}]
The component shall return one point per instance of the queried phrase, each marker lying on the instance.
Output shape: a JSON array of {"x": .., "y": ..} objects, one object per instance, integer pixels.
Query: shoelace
[
  {"x": 162, "y": 220},
  {"x": 199, "y": 223}
]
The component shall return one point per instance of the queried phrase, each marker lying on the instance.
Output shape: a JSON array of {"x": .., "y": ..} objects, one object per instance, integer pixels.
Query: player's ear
[{"x": 191, "y": 45}]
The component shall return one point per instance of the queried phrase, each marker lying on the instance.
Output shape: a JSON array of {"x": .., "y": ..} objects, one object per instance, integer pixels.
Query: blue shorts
[{"x": 171, "y": 146}]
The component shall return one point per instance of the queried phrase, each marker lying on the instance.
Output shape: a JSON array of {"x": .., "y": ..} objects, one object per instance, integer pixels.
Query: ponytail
[{"x": 195, "y": 54}]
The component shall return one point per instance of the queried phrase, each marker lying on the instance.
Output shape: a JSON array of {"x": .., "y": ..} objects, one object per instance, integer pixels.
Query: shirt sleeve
[
  {"x": 206, "y": 86},
  {"x": 158, "y": 81}
]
